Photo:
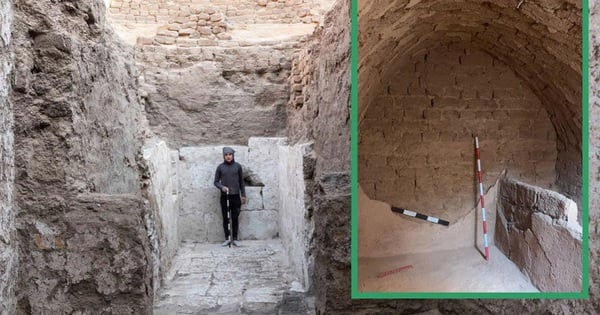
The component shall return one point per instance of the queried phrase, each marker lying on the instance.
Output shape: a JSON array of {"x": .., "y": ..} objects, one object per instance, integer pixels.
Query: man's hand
[
  {"x": 224, "y": 189},
  {"x": 243, "y": 200}
]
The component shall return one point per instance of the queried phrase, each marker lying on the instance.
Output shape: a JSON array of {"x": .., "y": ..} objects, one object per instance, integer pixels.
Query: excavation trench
[{"x": 113, "y": 120}]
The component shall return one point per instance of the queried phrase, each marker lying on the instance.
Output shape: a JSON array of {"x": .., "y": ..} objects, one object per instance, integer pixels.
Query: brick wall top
[{"x": 235, "y": 11}]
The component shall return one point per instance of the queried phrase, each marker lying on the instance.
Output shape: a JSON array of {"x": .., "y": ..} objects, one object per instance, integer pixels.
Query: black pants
[{"x": 234, "y": 204}]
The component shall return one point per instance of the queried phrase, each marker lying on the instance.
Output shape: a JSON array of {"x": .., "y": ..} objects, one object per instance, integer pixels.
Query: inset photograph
[{"x": 470, "y": 147}]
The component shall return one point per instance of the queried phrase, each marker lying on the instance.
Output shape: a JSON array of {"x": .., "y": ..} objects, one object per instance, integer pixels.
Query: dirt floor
[{"x": 459, "y": 270}]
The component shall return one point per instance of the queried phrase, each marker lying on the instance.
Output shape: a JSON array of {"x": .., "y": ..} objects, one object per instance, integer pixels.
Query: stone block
[
  {"x": 255, "y": 199},
  {"x": 167, "y": 33},
  {"x": 165, "y": 40},
  {"x": 224, "y": 36},
  {"x": 207, "y": 42},
  {"x": 259, "y": 225},
  {"x": 186, "y": 31}
]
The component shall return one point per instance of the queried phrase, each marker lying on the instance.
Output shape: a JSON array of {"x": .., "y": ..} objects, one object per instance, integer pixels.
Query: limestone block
[
  {"x": 164, "y": 40},
  {"x": 264, "y": 157},
  {"x": 174, "y": 27},
  {"x": 184, "y": 42},
  {"x": 223, "y": 36},
  {"x": 271, "y": 197},
  {"x": 203, "y": 30},
  {"x": 209, "y": 42},
  {"x": 186, "y": 31},
  {"x": 254, "y": 199},
  {"x": 213, "y": 222},
  {"x": 217, "y": 29},
  {"x": 189, "y": 25},
  {"x": 179, "y": 20},
  {"x": 259, "y": 225},
  {"x": 168, "y": 33}
]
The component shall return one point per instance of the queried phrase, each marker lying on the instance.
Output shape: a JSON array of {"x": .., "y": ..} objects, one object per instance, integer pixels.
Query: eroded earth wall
[
  {"x": 215, "y": 72},
  {"x": 83, "y": 243},
  {"x": 8, "y": 246},
  {"x": 319, "y": 110}
]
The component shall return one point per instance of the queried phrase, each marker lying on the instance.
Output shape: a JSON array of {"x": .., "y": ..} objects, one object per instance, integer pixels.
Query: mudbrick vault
[{"x": 113, "y": 114}]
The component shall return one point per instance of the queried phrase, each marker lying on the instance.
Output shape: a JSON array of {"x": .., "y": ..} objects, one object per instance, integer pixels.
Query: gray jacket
[{"x": 230, "y": 175}]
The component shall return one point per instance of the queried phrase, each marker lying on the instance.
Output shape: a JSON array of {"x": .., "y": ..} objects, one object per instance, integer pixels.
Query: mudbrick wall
[
  {"x": 539, "y": 40},
  {"x": 80, "y": 217},
  {"x": 416, "y": 143},
  {"x": 186, "y": 111},
  {"x": 8, "y": 247},
  {"x": 246, "y": 11},
  {"x": 323, "y": 116},
  {"x": 241, "y": 50}
]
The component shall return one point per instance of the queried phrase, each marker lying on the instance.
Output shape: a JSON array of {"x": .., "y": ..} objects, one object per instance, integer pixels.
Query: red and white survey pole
[{"x": 485, "y": 238}]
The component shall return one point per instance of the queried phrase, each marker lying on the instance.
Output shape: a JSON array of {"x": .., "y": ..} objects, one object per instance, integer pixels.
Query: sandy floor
[{"x": 461, "y": 270}]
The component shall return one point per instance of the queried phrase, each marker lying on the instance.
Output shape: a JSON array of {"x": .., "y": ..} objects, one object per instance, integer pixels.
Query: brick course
[{"x": 416, "y": 146}]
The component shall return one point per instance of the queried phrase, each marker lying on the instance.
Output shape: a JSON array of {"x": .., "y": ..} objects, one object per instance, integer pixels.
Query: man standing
[{"x": 229, "y": 179}]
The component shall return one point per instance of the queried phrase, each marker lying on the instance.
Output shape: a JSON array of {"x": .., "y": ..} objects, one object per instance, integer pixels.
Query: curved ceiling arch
[{"x": 539, "y": 40}]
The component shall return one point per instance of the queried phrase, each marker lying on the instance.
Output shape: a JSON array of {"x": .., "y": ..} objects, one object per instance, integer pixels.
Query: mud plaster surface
[{"x": 459, "y": 270}]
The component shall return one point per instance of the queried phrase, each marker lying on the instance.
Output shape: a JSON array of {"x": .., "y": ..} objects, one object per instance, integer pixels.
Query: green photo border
[{"x": 355, "y": 294}]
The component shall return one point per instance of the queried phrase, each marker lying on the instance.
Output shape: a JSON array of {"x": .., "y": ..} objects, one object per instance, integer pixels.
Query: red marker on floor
[{"x": 387, "y": 273}]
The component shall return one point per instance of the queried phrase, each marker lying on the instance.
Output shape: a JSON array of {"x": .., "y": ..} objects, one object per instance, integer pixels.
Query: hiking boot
[
  {"x": 235, "y": 243},
  {"x": 226, "y": 243}
]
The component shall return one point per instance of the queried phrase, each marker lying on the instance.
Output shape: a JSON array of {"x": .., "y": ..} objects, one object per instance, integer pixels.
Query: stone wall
[
  {"x": 8, "y": 246},
  {"x": 416, "y": 139},
  {"x": 537, "y": 229},
  {"x": 296, "y": 224},
  {"x": 200, "y": 217},
  {"x": 80, "y": 217},
  {"x": 162, "y": 190},
  {"x": 237, "y": 11}
]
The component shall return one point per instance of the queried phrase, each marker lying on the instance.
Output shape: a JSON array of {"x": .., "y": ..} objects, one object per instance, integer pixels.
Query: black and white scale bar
[{"x": 420, "y": 216}]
